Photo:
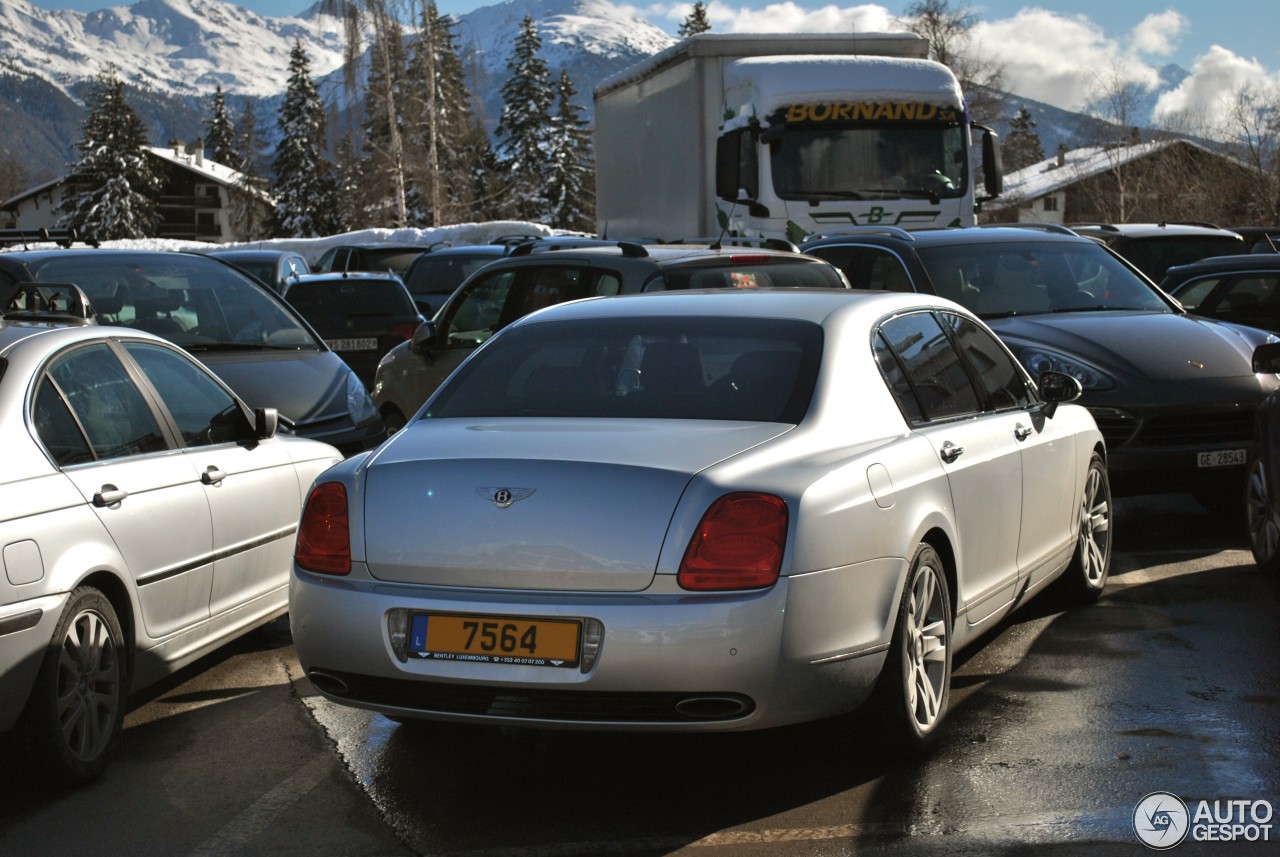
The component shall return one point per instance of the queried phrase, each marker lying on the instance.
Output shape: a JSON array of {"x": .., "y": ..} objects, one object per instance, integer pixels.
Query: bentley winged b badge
[{"x": 504, "y": 497}]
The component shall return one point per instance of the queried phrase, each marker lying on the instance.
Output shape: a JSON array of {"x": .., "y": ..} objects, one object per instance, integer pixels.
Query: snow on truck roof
[
  {"x": 768, "y": 83},
  {"x": 738, "y": 45}
]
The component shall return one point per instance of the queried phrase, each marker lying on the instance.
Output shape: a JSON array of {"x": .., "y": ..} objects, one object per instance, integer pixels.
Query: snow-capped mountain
[
  {"x": 170, "y": 47},
  {"x": 174, "y": 53}
]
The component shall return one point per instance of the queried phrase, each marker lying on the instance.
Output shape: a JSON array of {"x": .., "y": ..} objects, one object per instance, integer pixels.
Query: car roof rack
[
  {"x": 629, "y": 249},
  {"x": 717, "y": 241},
  {"x": 1056, "y": 228},
  {"x": 61, "y": 237},
  {"x": 46, "y": 302},
  {"x": 895, "y": 231}
]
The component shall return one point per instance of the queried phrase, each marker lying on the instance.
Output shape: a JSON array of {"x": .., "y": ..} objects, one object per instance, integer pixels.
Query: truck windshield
[{"x": 869, "y": 163}]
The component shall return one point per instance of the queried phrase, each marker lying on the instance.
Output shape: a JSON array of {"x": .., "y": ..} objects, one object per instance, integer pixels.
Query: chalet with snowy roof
[
  {"x": 195, "y": 202},
  {"x": 1153, "y": 181}
]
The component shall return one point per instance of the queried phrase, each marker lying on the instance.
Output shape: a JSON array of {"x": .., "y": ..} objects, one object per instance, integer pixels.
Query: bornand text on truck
[{"x": 785, "y": 135}]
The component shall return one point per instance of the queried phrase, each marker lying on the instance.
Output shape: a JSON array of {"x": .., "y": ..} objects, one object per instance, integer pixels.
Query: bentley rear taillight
[
  {"x": 324, "y": 536},
  {"x": 738, "y": 544}
]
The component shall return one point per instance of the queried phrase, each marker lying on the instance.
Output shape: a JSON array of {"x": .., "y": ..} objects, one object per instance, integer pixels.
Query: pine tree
[
  {"x": 384, "y": 151},
  {"x": 112, "y": 188},
  {"x": 441, "y": 122},
  {"x": 219, "y": 133},
  {"x": 569, "y": 190},
  {"x": 696, "y": 22},
  {"x": 524, "y": 127},
  {"x": 250, "y": 217},
  {"x": 1022, "y": 147},
  {"x": 304, "y": 183}
]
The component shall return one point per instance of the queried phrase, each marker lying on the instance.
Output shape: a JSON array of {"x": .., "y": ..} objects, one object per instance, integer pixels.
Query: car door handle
[
  {"x": 1021, "y": 432},
  {"x": 109, "y": 495},
  {"x": 950, "y": 452},
  {"x": 212, "y": 475}
]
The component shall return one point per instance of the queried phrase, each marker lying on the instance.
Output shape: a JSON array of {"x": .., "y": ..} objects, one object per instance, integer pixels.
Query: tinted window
[
  {"x": 1154, "y": 256},
  {"x": 932, "y": 365},
  {"x": 432, "y": 274},
  {"x": 1002, "y": 279},
  {"x": 330, "y": 304},
  {"x": 648, "y": 368},
  {"x": 896, "y": 379},
  {"x": 110, "y": 408},
  {"x": 205, "y": 413}
]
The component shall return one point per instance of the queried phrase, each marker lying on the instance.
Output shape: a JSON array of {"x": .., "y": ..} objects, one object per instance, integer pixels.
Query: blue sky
[
  {"x": 1057, "y": 51},
  {"x": 1249, "y": 29}
]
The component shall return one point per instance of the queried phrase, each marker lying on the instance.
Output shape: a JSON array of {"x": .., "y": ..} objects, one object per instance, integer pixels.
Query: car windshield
[
  {"x": 996, "y": 280},
  {"x": 200, "y": 304},
  {"x": 748, "y": 272},
  {"x": 759, "y": 370}
]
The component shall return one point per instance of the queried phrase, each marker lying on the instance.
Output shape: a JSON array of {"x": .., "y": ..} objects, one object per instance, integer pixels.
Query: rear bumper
[{"x": 669, "y": 660}]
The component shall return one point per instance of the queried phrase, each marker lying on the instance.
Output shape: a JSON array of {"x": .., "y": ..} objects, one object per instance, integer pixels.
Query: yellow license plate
[{"x": 495, "y": 639}]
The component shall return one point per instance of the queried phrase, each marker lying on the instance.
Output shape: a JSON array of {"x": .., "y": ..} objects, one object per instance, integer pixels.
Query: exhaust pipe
[{"x": 714, "y": 707}]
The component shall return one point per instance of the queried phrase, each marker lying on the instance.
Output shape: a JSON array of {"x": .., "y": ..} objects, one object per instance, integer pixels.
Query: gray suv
[{"x": 533, "y": 277}]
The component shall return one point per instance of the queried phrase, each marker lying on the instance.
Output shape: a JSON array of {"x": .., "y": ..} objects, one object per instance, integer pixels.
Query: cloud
[
  {"x": 1206, "y": 95},
  {"x": 784, "y": 18},
  {"x": 1058, "y": 59},
  {"x": 1158, "y": 34}
]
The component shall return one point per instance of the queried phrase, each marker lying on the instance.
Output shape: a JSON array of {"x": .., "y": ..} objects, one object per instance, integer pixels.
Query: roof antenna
[{"x": 724, "y": 226}]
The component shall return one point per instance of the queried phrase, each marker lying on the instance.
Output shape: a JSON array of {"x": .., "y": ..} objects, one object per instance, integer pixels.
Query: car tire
[
  {"x": 914, "y": 688},
  {"x": 73, "y": 718},
  {"x": 1262, "y": 515},
  {"x": 1086, "y": 576},
  {"x": 393, "y": 420}
]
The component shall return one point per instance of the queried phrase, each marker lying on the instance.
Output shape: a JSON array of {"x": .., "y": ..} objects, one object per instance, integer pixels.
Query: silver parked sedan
[
  {"x": 146, "y": 517},
  {"x": 701, "y": 511}
]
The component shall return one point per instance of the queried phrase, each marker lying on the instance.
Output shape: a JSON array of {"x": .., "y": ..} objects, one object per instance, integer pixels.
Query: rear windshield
[
  {"x": 328, "y": 302},
  {"x": 195, "y": 302},
  {"x": 748, "y": 272},
  {"x": 1155, "y": 256},
  {"x": 437, "y": 275},
  {"x": 759, "y": 370}
]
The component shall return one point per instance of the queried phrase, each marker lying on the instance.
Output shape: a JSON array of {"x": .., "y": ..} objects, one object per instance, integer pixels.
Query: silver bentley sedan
[{"x": 721, "y": 510}]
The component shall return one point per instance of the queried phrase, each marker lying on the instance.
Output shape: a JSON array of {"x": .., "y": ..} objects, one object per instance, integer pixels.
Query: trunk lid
[{"x": 536, "y": 504}]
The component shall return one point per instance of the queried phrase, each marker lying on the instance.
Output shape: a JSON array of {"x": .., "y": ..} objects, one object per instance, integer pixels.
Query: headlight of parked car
[
  {"x": 1039, "y": 361},
  {"x": 359, "y": 405}
]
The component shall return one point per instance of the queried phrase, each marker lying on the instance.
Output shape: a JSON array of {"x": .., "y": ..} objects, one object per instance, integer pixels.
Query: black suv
[
  {"x": 1240, "y": 289},
  {"x": 361, "y": 315},
  {"x": 535, "y": 275},
  {"x": 1154, "y": 248},
  {"x": 1173, "y": 393}
]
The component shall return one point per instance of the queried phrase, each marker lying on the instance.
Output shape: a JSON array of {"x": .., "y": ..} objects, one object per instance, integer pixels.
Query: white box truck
[{"x": 785, "y": 135}]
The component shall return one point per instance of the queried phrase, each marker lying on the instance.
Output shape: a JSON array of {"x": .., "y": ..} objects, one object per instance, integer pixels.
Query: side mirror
[
  {"x": 1266, "y": 358},
  {"x": 424, "y": 337},
  {"x": 992, "y": 163},
  {"x": 265, "y": 422},
  {"x": 1056, "y": 388},
  {"x": 728, "y": 176}
]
